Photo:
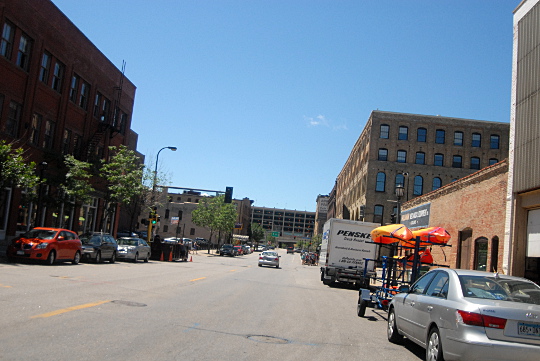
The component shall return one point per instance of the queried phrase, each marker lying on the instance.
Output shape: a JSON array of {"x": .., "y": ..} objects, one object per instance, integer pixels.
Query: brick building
[
  {"x": 472, "y": 209},
  {"x": 58, "y": 95}
]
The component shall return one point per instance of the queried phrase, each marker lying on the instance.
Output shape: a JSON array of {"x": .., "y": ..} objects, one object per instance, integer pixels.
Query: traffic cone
[{"x": 191, "y": 259}]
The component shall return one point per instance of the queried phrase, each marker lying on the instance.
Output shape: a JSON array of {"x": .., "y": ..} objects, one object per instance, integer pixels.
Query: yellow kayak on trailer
[
  {"x": 428, "y": 237},
  {"x": 391, "y": 233}
]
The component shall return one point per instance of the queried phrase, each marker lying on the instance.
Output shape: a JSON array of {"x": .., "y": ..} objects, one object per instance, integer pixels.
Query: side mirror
[
  {"x": 404, "y": 289},
  {"x": 61, "y": 238}
]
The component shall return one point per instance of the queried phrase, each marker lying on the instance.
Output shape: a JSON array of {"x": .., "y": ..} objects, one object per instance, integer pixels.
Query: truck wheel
[{"x": 361, "y": 308}]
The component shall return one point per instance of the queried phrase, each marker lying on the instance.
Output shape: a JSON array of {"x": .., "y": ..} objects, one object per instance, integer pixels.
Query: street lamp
[
  {"x": 400, "y": 192},
  {"x": 39, "y": 213},
  {"x": 154, "y": 185}
]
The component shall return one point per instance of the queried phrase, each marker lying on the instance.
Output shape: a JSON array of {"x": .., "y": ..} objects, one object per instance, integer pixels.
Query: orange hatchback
[{"x": 47, "y": 244}]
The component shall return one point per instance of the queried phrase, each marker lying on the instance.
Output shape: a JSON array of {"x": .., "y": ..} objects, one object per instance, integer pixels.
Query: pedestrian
[
  {"x": 195, "y": 247},
  {"x": 303, "y": 258}
]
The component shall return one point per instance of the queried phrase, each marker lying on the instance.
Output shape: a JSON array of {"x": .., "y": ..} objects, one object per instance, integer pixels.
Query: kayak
[
  {"x": 391, "y": 233},
  {"x": 428, "y": 236}
]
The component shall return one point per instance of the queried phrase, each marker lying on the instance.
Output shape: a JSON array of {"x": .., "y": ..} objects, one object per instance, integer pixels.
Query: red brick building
[
  {"x": 58, "y": 95},
  {"x": 472, "y": 209}
]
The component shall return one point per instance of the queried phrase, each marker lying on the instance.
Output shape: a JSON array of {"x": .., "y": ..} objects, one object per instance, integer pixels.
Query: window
[
  {"x": 105, "y": 106},
  {"x": 420, "y": 285},
  {"x": 49, "y": 134},
  {"x": 192, "y": 232},
  {"x": 165, "y": 228},
  {"x": 381, "y": 182},
  {"x": 85, "y": 93},
  {"x": 418, "y": 185},
  {"x": 385, "y": 131},
  {"x": 167, "y": 213},
  {"x": 45, "y": 68},
  {"x": 97, "y": 104},
  {"x": 35, "y": 129},
  {"x": 493, "y": 161},
  {"x": 437, "y": 183},
  {"x": 439, "y": 286},
  {"x": 6, "y": 44},
  {"x": 476, "y": 140},
  {"x": 23, "y": 56},
  {"x": 475, "y": 163},
  {"x": 400, "y": 180},
  {"x": 378, "y": 212},
  {"x": 403, "y": 133},
  {"x": 458, "y": 138},
  {"x": 421, "y": 135},
  {"x": 66, "y": 141},
  {"x": 77, "y": 145},
  {"x": 439, "y": 136},
  {"x": 494, "y": 141},
  {"x": 13, "y": 118},
  {"x": 438, "y": 160},
  {"x": 420, "y": 158},
  {"x": 123, "y": 123},
  {"x": 457, "y": 161},
  {"x": 401, "y": 156},
  {"x": 58, "y": 76},
  {"x": 480, "y": 254},
  {"x": 383, "y": 154},
  {"x": 74, "y": 88}
]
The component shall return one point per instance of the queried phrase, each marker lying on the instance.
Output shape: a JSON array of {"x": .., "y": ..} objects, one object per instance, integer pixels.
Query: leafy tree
[
  {"x": 16, "y": 171},
  {"x": 213, "y": 214},
  {"x": 257, "y": 232},
  {"x": 123, "y": 174}
]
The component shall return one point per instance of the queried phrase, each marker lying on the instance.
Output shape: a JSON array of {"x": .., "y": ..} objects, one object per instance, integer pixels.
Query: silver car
[
  {"x": 269, "y": 258},
  {"x": 132, "y": 248},
  {"x": 468, "y": 315}
]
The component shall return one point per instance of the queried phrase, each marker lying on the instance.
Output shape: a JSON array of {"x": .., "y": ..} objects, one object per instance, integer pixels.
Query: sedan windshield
[
  {"x": 504, "y": 289},
  {"x": 94, "y": 241},
  {"x": 127, "y": 242},
  {"x": 40, "y": 234},
  {"x": 269, "y": 254}
]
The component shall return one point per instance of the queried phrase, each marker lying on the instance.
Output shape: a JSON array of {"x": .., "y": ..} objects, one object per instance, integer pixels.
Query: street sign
[{"x": 275, "y": 234}]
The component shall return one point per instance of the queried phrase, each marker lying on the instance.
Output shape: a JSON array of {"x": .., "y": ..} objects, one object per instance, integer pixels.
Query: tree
[
  {"x": 123, "y": 174},
  {"x": 16, "y": 171},
  {"x": 257, "y": 232},
  {"x": 215, "y": 215}
]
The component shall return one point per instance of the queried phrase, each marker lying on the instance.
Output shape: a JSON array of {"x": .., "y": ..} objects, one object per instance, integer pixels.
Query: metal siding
[{"x": 527, "y": 147}]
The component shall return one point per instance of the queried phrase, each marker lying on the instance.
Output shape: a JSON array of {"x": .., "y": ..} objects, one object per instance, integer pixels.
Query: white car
[
  {"x": 269, "y": 258},
  {"x": 132, "y": 248}
]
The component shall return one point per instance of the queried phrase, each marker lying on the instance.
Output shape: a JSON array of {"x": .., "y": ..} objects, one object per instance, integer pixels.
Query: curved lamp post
[{"x": 155, "y": 172}]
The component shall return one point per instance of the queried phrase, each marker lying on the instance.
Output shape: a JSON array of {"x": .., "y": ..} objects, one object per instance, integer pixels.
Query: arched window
[
  {"x": 383, "y": 154},
  {"x": 401, "y": 156},
  {"x": 420, "y": 158},
  {"x": 378, "y": 212},
  {"x": 494, "y": 141},
  {"x": 381, "y": 182},
  {"x": 458, "y": 138},
  {"x": 438, "y": 160},
  {"x": 403, "y": 133},
  {"x": 476, "y": 140},
  {"x": 439, "y": 136},
  {"x": 480, "y": 254},
  {"x": 421, "y": 135},
  {"x": 385, "y": 131},
  {"x": 493, "y": 161},
  {"x": 400, "y": 180},
  {"x": 437, "y": 183},
  {"x": 457, "y": 161},
  {"x": 494, "y": 254},
  {"x": 418, "y": 185},
  {"x": 475, "y": 163}
]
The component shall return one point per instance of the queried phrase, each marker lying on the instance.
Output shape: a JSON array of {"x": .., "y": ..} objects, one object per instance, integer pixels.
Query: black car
[
  {"x": 99, "y": 247},
  {"x": 228, "y": 249}
]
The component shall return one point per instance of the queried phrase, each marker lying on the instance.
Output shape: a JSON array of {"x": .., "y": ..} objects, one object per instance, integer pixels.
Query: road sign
[{"x": 275, "y": 234}]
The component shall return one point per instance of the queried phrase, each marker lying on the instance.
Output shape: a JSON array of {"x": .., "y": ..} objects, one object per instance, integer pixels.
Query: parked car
[
  {"x": 98, "y": 247},
  {"x": 46, "y": 244},
  {"x": 468, "y": 315},
  {"x": 239, "y": 250},
  {"x": 290, "y": 250},
  {"x": 228, "y": 249},
  {"x": 125, "y": 233},
  {"x": 246, "y": 249},
  {"x": 269, "y": 258},
  {"x": 133, "y": 248}
]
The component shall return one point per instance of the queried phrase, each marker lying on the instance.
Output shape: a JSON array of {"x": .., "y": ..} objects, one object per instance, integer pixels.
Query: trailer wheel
[{"x": 361, "y": 308}]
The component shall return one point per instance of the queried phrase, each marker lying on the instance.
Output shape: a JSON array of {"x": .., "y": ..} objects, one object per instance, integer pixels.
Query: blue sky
[{"x": 269, "y": 96}]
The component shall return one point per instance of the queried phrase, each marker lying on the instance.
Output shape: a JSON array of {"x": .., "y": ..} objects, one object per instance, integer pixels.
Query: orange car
[{"x": 47, "y": 244}]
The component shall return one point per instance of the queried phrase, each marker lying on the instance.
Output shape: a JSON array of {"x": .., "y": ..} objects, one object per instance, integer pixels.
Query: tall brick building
[
  {"x": 419, "y": 152},
  {"x": 58, "y": 95}
]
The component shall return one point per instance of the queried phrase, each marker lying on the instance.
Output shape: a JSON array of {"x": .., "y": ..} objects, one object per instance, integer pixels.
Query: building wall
[
  {"x": 470, "y": 209},
  {"x": 321, "y": 214},
  {"x": 42, "y": 103},
  {"x": 356, "y": 184}
]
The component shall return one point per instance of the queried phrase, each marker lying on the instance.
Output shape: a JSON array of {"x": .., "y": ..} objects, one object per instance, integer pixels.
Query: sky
[{"x": 269, "y": 96}]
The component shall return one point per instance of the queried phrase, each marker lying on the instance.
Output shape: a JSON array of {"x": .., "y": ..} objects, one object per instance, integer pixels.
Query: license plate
[
  {"x": 529, "y": 329},
  {"x": 20, "y": 253}
]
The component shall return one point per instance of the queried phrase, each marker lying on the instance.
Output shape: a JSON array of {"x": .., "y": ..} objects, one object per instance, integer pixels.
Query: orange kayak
[
  {"x": 428, "y": 236},
  {"x": 391, "y": 233}
]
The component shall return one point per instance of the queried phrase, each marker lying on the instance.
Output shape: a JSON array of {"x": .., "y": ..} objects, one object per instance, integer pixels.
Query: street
[{"x": 213, "y": 308}]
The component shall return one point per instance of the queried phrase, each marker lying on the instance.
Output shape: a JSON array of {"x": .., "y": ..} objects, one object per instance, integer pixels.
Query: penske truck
[{"x": 346, "y": 245}]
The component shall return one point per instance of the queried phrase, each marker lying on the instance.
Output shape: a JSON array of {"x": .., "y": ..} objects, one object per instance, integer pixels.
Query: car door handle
[
  {"x": 412, "y": 303},
  {"x": 429, "y": 308}
]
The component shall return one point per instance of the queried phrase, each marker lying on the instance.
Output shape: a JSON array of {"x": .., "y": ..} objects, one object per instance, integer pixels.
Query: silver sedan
[
  {"x": 468, "y": 315},
  {"x": 269, "y": 258},
  {"x": 131, "y": 248}
]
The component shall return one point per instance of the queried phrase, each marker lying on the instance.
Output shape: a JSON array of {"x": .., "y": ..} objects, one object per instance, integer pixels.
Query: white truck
[{"x": 346, "y": 245}]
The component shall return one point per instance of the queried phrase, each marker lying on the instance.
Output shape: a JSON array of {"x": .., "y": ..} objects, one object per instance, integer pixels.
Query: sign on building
[{"x": 417, "y": 217}]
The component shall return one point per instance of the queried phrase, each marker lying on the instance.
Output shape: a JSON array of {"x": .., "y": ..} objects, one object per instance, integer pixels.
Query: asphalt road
[{"x": 213, "y": 308}]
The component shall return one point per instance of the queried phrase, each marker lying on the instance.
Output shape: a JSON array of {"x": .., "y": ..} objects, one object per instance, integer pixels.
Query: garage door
[{"x": 533, "y": 233}]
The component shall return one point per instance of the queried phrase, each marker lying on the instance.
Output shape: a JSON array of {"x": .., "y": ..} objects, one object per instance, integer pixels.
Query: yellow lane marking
[
  {"x": 197, "y": 279},
  {"x": 69, "y": 309},
  {"x": 233, "y": 270},
  {"x": 4, "y": 286}
]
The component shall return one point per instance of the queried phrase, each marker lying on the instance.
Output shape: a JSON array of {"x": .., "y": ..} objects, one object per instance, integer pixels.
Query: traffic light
[
  {"x": 180, "y": 215},
  {"x": 158, "y": 217},
  {"x": 362, "y": 211},
  {"x": 393, "y": 218},
  {"x": 228, "y": 194}
]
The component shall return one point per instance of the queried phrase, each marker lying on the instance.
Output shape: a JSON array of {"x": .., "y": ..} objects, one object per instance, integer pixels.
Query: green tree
[
  {"x": 213, "y": 214},
  {"x": 123, "y": 174},
  {"x": 16, "y": 171},
  {"x": 257, "y": 232}
]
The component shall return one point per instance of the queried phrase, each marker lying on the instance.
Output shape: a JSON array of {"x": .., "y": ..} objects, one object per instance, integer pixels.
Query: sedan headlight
[{"x": 42, "y": 245}]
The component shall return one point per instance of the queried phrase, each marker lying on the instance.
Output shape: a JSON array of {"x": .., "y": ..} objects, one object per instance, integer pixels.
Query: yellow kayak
[
  {"x": 391, "y": 233},
  {"x": 428, "y": 236}
]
